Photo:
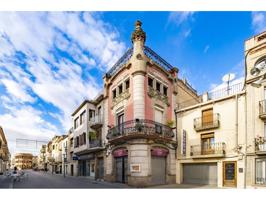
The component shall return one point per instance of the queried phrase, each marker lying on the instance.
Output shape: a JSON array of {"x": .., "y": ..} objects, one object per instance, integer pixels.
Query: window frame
[
  {"x": 127, "y": 84},
  {"x": 82, "y": 117},
  {"x": 76, "y": 122},
  {"x": 158, "y": 83},
  {"x": 152, "y": 82}
]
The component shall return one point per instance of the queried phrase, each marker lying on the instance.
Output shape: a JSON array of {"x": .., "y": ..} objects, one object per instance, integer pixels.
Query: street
[{"x": 39, "y": 179}]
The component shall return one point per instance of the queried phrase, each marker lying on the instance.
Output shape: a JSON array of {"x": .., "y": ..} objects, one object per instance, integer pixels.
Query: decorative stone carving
[
  {"x": 121, "y": 97},
  {"x": 157, "y": 95},
  {"x": 138, "y": 34}
]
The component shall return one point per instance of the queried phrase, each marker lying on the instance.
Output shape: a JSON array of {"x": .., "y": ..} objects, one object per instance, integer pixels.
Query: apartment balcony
[
  {"x": 207, "y": 122},
  {"x": 260, "y": 146},
  {"x": 214, "y": 150},
  {"x": 96, "y": 122},
  {"x": 262, "y": 109},
  {"x": 95, "y": 143},
  {"x": 135, "y": 129}
]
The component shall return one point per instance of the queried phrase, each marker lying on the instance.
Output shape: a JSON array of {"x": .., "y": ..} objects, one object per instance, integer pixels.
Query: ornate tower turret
[
  {"x": 138, "y": 38},
  {"x": 138, "y": 34}
]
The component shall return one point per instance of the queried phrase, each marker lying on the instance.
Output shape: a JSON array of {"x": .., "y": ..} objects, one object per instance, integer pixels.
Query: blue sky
[{"x": 51, "y": 62}]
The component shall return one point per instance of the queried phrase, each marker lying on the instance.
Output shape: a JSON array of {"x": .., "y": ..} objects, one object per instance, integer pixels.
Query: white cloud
[
  {"x": 206, "y": 48},
  {"x": 180, "y": 17},
  {"x": 187, "y": 33},
  {"x": 259, "y": 21},
  {"x": 17, "y": 90},
  {"x": 39, "y": 72}
]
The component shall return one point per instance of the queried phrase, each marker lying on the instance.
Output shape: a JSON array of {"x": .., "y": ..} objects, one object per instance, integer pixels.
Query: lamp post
[{"x": 65, "y": 159}]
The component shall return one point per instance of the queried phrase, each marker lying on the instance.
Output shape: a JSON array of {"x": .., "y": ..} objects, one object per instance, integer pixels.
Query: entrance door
[
  {"x": 207, "y": 117},
  {"x": 92, "y": 168},
  {"x": 100, "y": 168},
  {"x": 158, "y": 170},
  {"x": 121, "y": 169},
  {"x": 229, "y": 173},
  {"x": 72, "y": 170}
]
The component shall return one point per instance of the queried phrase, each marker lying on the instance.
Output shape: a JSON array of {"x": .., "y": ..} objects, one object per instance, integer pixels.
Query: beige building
[
  {"x": 4, "y": 153},
  {"x": 211, "y": 139},
  {"x": 89, "y": 130},
  {"x": 222, "y": 138},
  {"x": 54, "y": 154},
  {"x": 23, "y": 160},
  {"x": 255, "y": 63},
  {"x": 72, "y": 164}
]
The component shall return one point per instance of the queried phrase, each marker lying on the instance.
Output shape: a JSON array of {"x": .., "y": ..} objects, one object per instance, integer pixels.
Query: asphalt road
[{"x": 34, "y": 179}]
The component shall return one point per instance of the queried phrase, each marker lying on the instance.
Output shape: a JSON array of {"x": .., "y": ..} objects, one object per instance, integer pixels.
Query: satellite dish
[{"x": 228, "y": 77}]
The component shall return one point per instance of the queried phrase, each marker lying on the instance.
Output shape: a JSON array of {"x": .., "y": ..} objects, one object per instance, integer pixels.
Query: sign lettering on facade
[
  {"x": 135, "y": 168},
  {"x": 184, "y": 143}
]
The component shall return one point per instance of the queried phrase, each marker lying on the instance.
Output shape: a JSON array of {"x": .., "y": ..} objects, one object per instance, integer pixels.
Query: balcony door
[
  {"x": 99, "y": 114},
  {"x": 207, "y": 144},
  {"x": 120, "y": 123},
  {"x": 207, "y": 117},
  {"x": 159, "y": 120}
]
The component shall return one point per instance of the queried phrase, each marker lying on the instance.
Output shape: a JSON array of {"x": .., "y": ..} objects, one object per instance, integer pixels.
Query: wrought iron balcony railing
[
  {"x": 207, "y": 122},
  {"x": 262, "y": 109},
  {"x": 260, "y": 145},
  {"x": 215, "y": 149},
  {"x": 140, "y": 129},
  {"x": 95, "y": 143},
  {"x": 96, "y": 121}
]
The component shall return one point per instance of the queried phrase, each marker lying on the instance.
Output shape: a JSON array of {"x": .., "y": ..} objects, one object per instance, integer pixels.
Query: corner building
[{"x": 140, "y": 93}]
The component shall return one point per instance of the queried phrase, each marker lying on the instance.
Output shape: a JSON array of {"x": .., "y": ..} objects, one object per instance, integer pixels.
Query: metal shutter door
[
  {"x": 204, "y": 173},
  {"x": 158, "y": 170}
]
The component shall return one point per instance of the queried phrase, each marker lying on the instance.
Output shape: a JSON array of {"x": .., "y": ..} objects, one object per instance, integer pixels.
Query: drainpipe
[
  {"x": 236, "y": 117},
  {"x": 176, "y": 133}
]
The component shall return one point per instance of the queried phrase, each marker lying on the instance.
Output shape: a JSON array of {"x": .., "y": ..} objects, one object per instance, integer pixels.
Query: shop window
[
  {"x": 158, "y": 86},
  {"x": 127, "y": 84},
  {"x": 165, "y": 90},
  {"x": 150, "y": 82},
  {"x": 261, "y": 171},
  {"x": 120, "y": 89}
]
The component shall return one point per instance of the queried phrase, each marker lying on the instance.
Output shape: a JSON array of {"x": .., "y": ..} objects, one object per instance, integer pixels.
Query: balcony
[
  {"x": 262, "y": 109},
  {"x": 143, "y": 128},
  {"x": 206, "y": 151},
  {"x": 96, "y": 122},
  {"x": 207, "y": 122},
  {"x": 260, "y": 146},
  {"x": 95, "y": 143}
]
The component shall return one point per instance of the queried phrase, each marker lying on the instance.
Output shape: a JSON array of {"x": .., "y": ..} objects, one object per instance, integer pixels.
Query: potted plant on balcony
[
  {"x": 92, "y": 135},
  {"x": 170, "y": 123},
  {"x": 260, "y": 143}
]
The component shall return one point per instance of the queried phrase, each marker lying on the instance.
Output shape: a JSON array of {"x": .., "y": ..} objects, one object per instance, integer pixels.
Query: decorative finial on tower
[{"x": 138, "y": 33}]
